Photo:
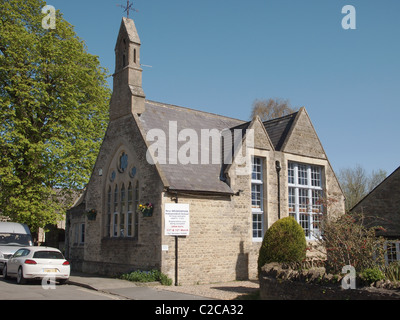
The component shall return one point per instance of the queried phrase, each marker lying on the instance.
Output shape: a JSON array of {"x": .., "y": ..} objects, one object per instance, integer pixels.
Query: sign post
[{"x": 177, "y": 224}]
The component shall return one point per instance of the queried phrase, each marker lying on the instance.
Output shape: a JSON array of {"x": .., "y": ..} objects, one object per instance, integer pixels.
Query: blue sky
[{"x": 219, "y": 56}]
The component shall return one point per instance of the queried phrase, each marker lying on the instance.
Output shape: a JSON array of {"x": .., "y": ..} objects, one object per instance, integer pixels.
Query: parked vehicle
[
  {"x": 12, "y": 237},
  {"x": 37, "y": 263}
]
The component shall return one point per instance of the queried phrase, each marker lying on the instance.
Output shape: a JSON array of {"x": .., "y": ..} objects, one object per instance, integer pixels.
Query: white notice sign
[{"x": 177, "y": 219}]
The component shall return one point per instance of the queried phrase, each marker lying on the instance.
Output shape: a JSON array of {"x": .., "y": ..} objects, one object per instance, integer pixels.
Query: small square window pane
[
  {"x": 302, "y": 175},
  {"x": 291, "y": 173},
  {"x": 257, "y": 169}
]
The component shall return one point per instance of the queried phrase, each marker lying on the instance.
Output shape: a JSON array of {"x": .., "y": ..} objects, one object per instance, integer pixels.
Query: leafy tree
[
  {"x": 357, "y": 183},
  {"x": 53, "y": 112},
  {"x": 271, "y": 109}
]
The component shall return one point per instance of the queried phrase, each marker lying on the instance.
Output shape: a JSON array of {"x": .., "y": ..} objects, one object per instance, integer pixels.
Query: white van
[{"x": 13, "y": 236}]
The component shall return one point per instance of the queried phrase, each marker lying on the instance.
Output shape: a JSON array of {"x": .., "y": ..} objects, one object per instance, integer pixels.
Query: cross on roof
[{"x": 128, "y": 7}]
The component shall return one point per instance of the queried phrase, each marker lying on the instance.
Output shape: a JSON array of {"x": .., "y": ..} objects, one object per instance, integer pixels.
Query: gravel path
[{"x": 220, "y": 291}]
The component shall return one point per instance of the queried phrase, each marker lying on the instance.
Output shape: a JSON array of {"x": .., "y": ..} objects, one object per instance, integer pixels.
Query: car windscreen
[
  {"x": 48, "y": 255},
  {"x": 15, "y": 239}
]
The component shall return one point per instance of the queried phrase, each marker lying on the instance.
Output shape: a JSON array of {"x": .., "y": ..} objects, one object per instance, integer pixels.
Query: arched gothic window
[
  {"x": 115, "y": 218},
  {"x": 130, "y": 210},
  {"x": 121, "y": 219},
  {"x": 108, "y": 221},
  {"x": 122, "y": 213},
  {"x": 136, "y": 204}
]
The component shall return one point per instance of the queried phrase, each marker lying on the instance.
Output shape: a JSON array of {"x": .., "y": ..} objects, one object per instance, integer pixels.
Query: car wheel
[
  {"x": 20, "y": 276},
  {"x": 5, "y": 275}
]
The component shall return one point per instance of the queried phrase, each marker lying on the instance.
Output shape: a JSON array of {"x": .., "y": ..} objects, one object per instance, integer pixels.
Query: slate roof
[
  {"x": 202, "y": 177},
  {"x": 381, "y": 207},
  {"x": 190, "y": 177},
  {"x": 130, "y": 28},
  {"x": 279, "y": 128}
]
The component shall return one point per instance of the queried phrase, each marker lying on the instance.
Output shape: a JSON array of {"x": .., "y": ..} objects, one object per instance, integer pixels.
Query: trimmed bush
[{"x": 284, "y": 242}]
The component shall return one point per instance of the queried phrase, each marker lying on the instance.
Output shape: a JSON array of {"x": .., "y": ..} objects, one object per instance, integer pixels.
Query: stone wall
[
  {"x": 277, "y": 283},
  {"x": 217, "y": 247},
  {"x": 102, "y": 254},
  {"x": 74, "y": 251}
]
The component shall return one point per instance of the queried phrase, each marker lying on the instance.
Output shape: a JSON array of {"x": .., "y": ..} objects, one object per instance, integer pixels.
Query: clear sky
[{"x": 220, "y": 55}]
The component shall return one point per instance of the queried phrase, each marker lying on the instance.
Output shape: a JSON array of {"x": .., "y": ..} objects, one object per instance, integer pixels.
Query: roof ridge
[{"x": 162, "y": 104}]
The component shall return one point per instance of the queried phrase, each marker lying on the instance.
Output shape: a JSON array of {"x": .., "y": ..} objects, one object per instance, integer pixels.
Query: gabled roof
[
  {"x": 279, "y": 128},
  {"x": 191, "y": 177},
  {"x": 382, "y": 206},
  {"x": 202, "y": 177},
  {"x": 378, "y": 187},
  {"x": 128, "y": 26}
]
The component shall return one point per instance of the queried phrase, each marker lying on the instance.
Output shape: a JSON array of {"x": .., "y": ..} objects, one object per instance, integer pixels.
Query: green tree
[{"x": 53, "y": 113}]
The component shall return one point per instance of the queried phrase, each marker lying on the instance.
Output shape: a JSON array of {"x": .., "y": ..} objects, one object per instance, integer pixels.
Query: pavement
[{"x": 127, "y": 289}]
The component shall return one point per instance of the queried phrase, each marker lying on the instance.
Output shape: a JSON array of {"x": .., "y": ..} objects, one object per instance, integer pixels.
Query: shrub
[
  {"x": 148, "y": 276},
  {"x": 284, "y": 242},
  {"x": 347, "y": 241},
  {"x": 392, "y": 271},
  {"x": 372, "y": 275}
]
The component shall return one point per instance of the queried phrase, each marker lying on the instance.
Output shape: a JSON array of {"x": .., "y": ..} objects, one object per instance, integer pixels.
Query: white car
[{"x": 37, "y": 263}]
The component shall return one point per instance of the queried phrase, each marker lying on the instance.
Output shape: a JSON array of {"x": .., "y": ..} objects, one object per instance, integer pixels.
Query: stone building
[
  {"x": 381, "y": 207},
  {"x": 238, "y": 178}
]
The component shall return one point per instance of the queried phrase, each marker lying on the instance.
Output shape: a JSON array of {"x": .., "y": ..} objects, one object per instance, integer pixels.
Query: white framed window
[
  {"x": 305, "y": 197},
  {"x": 392, "y": 251},
  {"x": 257, "y": 199},
  {"x": 122, "y": 213},
  {"x": 130, "y": 211},
  {"x": 121, "y": 210},
  {"x": 79, "y": 233},
  {"x": 116, "y": 213},
  {"x": 121, "y": 197},
  {"x": 136, "y": 215}
]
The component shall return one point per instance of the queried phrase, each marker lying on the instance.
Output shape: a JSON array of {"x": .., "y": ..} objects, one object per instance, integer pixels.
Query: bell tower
[{"x": 128, "y": 96}]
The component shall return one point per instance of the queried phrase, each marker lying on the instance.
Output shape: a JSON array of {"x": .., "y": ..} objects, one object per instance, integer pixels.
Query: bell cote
[{"x": 128, "y": 96}]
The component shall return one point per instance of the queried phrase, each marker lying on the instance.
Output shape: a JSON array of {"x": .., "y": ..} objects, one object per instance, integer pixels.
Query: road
[{"x": 10, "y": 290}]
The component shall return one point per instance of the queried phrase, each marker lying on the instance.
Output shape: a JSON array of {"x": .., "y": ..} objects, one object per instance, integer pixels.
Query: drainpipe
[
  {"x": 176, "y": 251},
  {"x": 278, "y": 170}
]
